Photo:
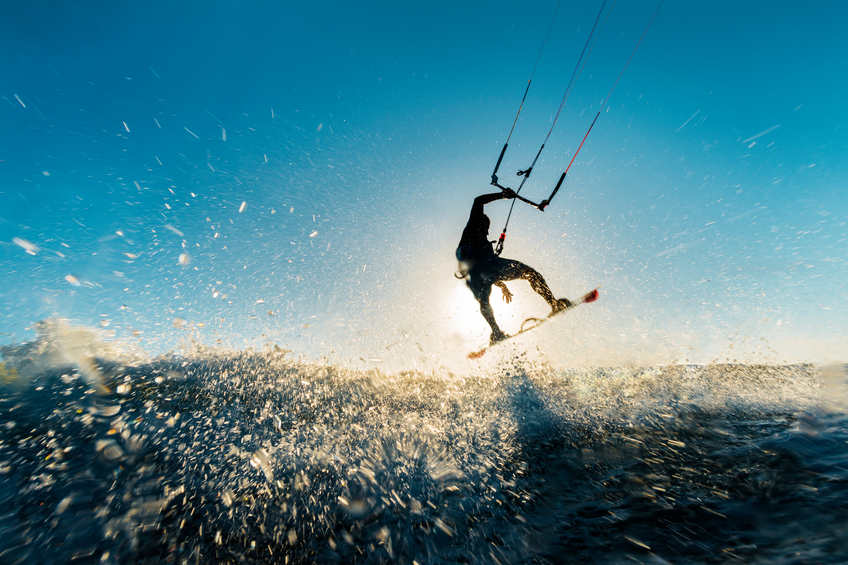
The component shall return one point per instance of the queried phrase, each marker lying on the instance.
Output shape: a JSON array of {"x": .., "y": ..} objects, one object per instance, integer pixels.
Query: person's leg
[
  {"x": 508, "y": 270},
  {"x": 539, "y": 286},
  {"x": 482, "y": 290}
]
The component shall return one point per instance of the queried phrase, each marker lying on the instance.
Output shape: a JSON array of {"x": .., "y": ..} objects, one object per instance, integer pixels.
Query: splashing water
[{"x": 254, "y": 457}]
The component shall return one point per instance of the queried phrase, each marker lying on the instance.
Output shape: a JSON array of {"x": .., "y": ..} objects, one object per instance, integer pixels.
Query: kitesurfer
[{"x": 482, "y": 268}]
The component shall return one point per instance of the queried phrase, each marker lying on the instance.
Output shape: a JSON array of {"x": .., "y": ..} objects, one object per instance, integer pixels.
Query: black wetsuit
[
  {"x": 484, "y": 268},
  {"x": 474, "y": 244}
]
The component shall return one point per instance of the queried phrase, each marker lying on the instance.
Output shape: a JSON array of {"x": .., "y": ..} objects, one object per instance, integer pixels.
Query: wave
[{"x": 257, "y": 457}]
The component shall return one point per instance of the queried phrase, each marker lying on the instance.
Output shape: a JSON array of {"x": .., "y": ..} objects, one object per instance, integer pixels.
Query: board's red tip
[{"x": 592, "y": 296}]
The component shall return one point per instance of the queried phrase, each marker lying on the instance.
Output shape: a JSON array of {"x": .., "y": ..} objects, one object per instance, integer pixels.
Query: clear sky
[{"x": 708, "y": 201}]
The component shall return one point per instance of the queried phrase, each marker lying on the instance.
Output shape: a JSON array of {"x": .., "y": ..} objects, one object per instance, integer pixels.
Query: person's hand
[
  {"x": 507, "y": 295},
  {"x": 509, "y": 193}
]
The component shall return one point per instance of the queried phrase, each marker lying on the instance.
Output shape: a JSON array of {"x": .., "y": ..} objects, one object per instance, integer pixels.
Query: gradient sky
[{"x": 708, "y": 201}]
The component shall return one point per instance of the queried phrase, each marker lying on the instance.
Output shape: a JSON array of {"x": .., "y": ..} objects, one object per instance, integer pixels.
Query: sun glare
[{"x": 463, "y": 316}]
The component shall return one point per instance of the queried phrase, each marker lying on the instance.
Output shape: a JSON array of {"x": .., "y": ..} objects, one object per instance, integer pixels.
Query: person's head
[{"x": 486, "y": 222}]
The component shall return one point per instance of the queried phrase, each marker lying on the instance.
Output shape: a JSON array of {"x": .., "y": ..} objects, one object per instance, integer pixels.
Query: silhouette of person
[{"x": 482, "y": 268}]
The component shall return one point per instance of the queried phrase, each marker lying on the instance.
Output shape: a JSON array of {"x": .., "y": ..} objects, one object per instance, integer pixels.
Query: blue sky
[{"x": 708, "y": 200}]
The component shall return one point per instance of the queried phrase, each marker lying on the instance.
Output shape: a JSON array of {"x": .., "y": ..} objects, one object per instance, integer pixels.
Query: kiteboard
[{"x": 536, "y": 322}]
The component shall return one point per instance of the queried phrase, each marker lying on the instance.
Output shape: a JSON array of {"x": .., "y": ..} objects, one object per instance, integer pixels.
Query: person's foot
[
  {"x": 560, "y": 305},
  {"x": 497, "y": 336}
]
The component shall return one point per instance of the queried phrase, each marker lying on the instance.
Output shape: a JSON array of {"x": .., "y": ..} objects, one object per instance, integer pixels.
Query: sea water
[{"x": 220, "y": 456}]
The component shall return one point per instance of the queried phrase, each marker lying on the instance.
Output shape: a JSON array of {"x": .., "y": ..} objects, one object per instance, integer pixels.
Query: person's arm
[{"x": 482, "y": 200}]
